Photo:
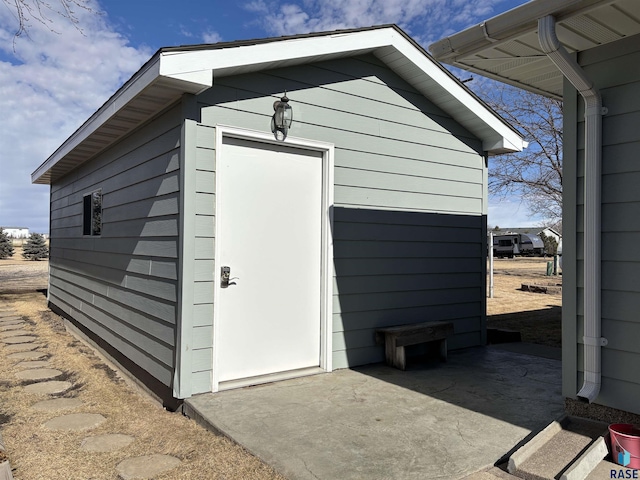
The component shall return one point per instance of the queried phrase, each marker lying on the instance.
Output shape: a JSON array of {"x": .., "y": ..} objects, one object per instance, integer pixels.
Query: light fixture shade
[
  {"x": 284, "y": 115},
  {"x": 282, "y": 118}
]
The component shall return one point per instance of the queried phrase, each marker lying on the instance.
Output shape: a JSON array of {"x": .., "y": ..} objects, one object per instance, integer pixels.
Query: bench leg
[
  {"x": 394, "y": 355},
  {"x": 443, "y": 350}
]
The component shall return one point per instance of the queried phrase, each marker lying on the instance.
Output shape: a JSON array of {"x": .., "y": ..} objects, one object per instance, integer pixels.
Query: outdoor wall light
[{"x": 282, "y": 118}]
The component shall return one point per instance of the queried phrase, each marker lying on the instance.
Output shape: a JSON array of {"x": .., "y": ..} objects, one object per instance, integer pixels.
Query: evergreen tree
[
  {"x": 35, "y": 248},
  {"x": 6, "y": 245},
  {"x": 550, "y": 244}
]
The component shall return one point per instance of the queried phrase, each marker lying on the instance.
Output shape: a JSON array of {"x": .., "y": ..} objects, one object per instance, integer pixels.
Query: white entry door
[{"x": 269, "y": 234}]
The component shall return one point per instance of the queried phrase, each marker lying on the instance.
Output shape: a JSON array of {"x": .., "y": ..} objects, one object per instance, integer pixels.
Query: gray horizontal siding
[
  {"x": 76, "y": 260},
  {"x": 123, "y": 285},
  {"x": 345, "y": 86},
  {"x": 619, "y": 394},
  {"x": 104, "y": 278},
  {"x": 389, "y": 317},
  {"x": 202, "y": 314},
  {"x": 409, "y": 197},
  {"x": 611, "y": 358},
  {"x": 361, "y": 284},
  {"x": 394, "y": 148},
  {"x": 622, "y": 333},
  {"x": 608, "y": 66},
  {"x": 395, "y": 268},
  {"x": 123, "y": 344},
  {"x": 203, "y": 216}
]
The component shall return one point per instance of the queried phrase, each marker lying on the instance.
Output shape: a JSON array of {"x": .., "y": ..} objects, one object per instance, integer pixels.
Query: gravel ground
[{"x": 20, "y": 275}]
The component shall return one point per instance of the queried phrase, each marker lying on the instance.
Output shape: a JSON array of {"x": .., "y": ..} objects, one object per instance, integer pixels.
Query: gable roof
[
  {"x": 174, "y": 71},
  {"x": 506, "y": 47}
]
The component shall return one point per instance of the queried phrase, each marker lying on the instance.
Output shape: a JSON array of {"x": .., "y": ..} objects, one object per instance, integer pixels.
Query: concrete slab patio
[{"x": 435, "y": 420}]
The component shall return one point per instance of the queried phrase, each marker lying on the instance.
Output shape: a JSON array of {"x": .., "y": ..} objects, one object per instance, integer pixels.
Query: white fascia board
[
  {"x": 505, "y": 138},
  {"x": 503, "y": 145},
  {"x": 290, "y": 51},
  {"x": 195, "y": 80},
  {"x": 129, "y": 91}
]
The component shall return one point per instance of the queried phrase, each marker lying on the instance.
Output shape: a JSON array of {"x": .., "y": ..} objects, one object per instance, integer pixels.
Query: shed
[
  {"x": 16, "y": 232},
  {"x": 201, "y": 253},
  {"x": 591, "y": 49}
]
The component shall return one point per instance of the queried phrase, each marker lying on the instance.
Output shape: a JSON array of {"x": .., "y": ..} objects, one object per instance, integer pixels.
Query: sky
[{"x": 54, "y": 78}]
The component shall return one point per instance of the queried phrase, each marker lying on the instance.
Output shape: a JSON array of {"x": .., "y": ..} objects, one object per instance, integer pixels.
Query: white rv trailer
[{"x": 511, "y": 244}]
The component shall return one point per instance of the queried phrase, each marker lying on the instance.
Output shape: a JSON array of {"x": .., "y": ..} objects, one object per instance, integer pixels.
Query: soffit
[{"x": 506, "y": 47}]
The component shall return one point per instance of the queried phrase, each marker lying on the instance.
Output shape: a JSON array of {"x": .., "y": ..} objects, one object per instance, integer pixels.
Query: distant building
[{"x": 16, "y": 232}]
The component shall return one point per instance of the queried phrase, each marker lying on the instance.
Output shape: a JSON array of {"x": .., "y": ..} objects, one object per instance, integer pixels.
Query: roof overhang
[
  {"x": 174, "y": 71},
  {"x": 506, "y": 47}
]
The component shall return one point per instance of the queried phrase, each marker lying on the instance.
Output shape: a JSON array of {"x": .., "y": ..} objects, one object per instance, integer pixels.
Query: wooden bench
[{"x": 396, "y": 338}]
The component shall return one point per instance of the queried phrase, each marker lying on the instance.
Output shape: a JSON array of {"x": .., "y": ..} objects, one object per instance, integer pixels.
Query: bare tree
[
  {"x": 26, "y": 11},
  {"x": 534, "y": 174}
]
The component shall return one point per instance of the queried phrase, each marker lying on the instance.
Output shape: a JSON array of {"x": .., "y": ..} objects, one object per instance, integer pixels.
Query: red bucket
[{"x": 625, "y": 444}]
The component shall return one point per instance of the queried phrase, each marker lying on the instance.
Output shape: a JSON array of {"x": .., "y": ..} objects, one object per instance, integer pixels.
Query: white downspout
[{"x": 592, "y": 159}]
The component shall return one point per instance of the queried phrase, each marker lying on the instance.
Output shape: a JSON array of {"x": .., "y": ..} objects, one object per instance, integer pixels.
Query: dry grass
[
  {"x": 20, "y": 275},
  {"x": 38, "y": 453},
  {"x": 536, "y": 316}
]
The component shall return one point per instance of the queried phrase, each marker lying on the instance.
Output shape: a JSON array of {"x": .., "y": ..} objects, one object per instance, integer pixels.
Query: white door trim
[{"x": 326, "y": 294}]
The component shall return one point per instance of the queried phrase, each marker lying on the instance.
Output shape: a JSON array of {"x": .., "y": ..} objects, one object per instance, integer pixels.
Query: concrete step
[
  {"x": 501, "y": 335},
  {"x": 566, "y": 448}
]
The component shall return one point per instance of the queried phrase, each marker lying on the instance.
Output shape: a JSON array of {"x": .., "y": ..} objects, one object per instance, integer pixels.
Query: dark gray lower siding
[{"x": 395, "y": 268}]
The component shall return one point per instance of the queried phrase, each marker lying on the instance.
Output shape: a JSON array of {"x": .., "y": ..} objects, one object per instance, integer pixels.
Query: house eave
[
  {"x": 506, "y": 47},
  {"x": 506, "y": 26},
  {"x": 143, "y": 96}
]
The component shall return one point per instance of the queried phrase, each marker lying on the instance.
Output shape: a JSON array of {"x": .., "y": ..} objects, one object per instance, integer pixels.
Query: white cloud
[
  {"x": 257, "y": 6},
  {"x": 211, "y": 37},
  {"x": 185, "y": 32},
  {"x": 49, "y": 85},
  {"x": 425, "y": 20}
]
